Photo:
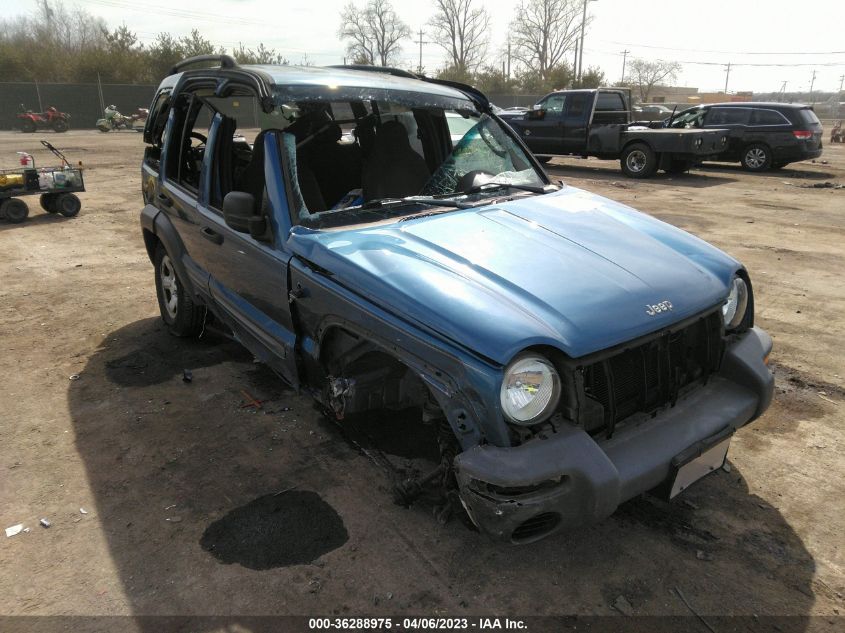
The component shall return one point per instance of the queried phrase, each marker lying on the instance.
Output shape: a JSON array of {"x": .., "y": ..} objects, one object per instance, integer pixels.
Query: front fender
[{"x": 465, "y": 386}]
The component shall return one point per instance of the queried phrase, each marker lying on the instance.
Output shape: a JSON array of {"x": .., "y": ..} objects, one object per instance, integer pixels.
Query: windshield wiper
[{"x": 511, "y": 185}]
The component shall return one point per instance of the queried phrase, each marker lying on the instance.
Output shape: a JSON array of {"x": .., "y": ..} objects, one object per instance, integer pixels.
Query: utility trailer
[
  {"x": 57, "y": 187},
  {"x": 598, "y": 123}
]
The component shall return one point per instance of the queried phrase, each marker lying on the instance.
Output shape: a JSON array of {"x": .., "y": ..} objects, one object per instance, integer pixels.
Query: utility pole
[
  {"x": 783, "y": 90},
  {"x": 421, "y": 42},
  {"x": 583, "y": 24},
  {"x": 508, "y": 75},
  {"x": 812, "y": 83},
  {"x": 727, "y": 74},
  {"x": 624, "y": 59},
  {"x": 841, "y": 80}
]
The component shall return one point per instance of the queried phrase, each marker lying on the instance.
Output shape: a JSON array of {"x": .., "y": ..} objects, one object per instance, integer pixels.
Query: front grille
[{"x": 644, "y": 378}]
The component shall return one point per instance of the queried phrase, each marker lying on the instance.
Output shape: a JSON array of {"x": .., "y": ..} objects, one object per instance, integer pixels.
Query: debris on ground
[
  {"x": 187, "y": 375},
  {"x": 73, "y": 377},
  {"x": 45, "y": 523},
  {"x": 693, "y": 611},
  {"x": 251, "y": 402},
  {"x": 83, "y": 511},
  {"x": 702, "y": 555},
  {"x": 174, "y": 519},
  {"x": 15, "y": 529},
  {"x": 816, "y": 185},
  {"x": 622, "y": 605}
]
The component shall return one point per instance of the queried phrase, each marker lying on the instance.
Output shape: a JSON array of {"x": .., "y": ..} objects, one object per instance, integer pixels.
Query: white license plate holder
[{"x": 699, "y": 460}]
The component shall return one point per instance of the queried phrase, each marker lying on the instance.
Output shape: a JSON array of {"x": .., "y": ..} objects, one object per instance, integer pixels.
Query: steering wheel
[
  {"x": 193, "y": 155},
  {"x": 467, "y": 181}
]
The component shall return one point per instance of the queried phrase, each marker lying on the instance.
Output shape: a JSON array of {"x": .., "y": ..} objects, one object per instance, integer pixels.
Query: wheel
[
  {"x": 543, "y": 159},
  {"x": 756, "y": 157},
  {"x": 60, "y": 126},
  {"x": 678, "y": 167},
  {"x": 28, "y": 126},
  {"x": 178, "y": 311},
  {"x": 67, "y": 204},
  {"x": 48, "y": 202},
  {"x": 638, "y": 160},
  {"x": 14, "y": 210}
]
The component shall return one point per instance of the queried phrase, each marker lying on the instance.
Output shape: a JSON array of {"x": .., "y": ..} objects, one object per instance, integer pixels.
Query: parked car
[
  {"x": 566, "y": 352},
  {"x": 598, "y": 123},
  {"x": 650, "y": 112},
  {"x": 762, "y": 135}
]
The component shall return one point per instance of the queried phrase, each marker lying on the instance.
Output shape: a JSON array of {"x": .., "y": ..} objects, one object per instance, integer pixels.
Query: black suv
[{"x": 762, "y": 135}]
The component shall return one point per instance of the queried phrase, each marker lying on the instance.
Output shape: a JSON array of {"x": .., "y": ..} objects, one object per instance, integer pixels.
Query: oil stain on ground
[{"x": 276, "y": 530}]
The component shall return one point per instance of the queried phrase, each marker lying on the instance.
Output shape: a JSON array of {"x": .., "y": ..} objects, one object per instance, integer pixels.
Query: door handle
[
  {"x": 165, "y": 200},
  {"x": 211, "y": 236}
]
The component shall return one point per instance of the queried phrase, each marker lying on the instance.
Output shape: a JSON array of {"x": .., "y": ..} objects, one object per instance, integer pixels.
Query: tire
[
  {"x": 678, "y": 167},
  {"x": 756, "y": 157},
  {"x": 48, "y": 202},
  {"x": 67, "y": 204},
  {"x": 638, "y": 160},
  {"x": 543, "y": 159},
  {"x": 178, "y": 311},
  {"x": 28, "y": 126},
  {"x": 60, "y": 126},
  {"x": 14, "y": 210}
]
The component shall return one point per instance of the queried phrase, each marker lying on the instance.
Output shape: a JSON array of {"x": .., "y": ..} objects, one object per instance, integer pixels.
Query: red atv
[{"x": 30, "y": 121}]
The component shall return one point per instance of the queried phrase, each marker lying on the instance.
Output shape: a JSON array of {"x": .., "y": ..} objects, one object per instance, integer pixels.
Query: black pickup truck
[{"x": 598, "y": 123}]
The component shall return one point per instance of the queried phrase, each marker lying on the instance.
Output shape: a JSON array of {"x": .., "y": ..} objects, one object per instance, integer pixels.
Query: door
[
  {"x": 248, "y": 277},
  {"x": 575, "y": 122},
  {"x": 735, "y": 120},
  {"x": 178, "y": 196},
  {"x": 545, "y": 135}
]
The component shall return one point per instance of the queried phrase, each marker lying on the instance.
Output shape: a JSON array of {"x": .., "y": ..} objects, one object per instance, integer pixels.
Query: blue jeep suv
[{"x": 568, "y": 352}]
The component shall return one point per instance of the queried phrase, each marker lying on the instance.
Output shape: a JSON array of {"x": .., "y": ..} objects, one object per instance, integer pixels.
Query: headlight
[
  {"x": 530, "y": 390},
  {"x": 736, "y": 304}
]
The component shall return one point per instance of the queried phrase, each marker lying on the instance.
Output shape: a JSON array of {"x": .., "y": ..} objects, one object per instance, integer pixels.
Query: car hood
[{"x": 569, "y": 269}]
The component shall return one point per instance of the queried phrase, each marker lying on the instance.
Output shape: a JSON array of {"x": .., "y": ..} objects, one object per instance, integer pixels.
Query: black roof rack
[
  {"x": 387, "y": 70},
  {"x": 226, "y": 61}
]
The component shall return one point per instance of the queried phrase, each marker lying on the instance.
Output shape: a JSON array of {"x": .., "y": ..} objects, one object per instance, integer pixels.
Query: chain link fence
[{"x": 83, "y": 102}]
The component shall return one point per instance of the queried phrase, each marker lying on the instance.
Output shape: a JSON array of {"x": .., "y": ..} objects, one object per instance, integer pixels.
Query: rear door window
[
  {"x": 728, "y": 116},
  {"x": 610, "y": 101},
  {"x": 768, "y": 117},
  {"x": 808, "y": 116},
  {"x": 157, "y": 118},
  {"x": 578, "y": 105}
]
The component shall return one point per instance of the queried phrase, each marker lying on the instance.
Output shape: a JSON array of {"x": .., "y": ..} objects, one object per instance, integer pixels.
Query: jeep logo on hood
[{"x": 657, "y": 308}]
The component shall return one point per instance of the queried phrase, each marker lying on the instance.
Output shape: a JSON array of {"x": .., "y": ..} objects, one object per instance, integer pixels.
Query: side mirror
[
  {"x": 239, "y": 214},
  {"x": 537, "y": 113},
  {"x": 238, "y": 209}
]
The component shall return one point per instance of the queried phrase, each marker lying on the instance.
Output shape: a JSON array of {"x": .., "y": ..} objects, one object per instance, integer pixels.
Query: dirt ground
[{"x": 179, "y": 480}]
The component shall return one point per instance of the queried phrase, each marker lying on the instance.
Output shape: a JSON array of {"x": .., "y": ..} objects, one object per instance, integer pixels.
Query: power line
[{"x": 700, "y": 50}]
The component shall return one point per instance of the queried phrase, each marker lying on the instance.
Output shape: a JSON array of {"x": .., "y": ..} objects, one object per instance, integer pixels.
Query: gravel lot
[{"x": 177, "y": 477}]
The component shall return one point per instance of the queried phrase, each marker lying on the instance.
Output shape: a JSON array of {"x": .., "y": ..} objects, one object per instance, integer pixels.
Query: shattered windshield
[{"x": 373, "y": 160}]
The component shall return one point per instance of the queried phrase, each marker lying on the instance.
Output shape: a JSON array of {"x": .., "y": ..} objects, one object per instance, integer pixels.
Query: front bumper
[{"x": 524, "y": 493}]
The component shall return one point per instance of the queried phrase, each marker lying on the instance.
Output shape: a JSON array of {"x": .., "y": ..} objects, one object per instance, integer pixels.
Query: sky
[{"x": 767, "y": 42}]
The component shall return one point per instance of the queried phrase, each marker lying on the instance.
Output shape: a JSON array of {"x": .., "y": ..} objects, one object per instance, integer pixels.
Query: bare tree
[
  {"x": 542, "y": 32},
  {"x": 645, "y": 75},
  {"x": 461, "y": 29},
  {"x": 373, "y": 33}
]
